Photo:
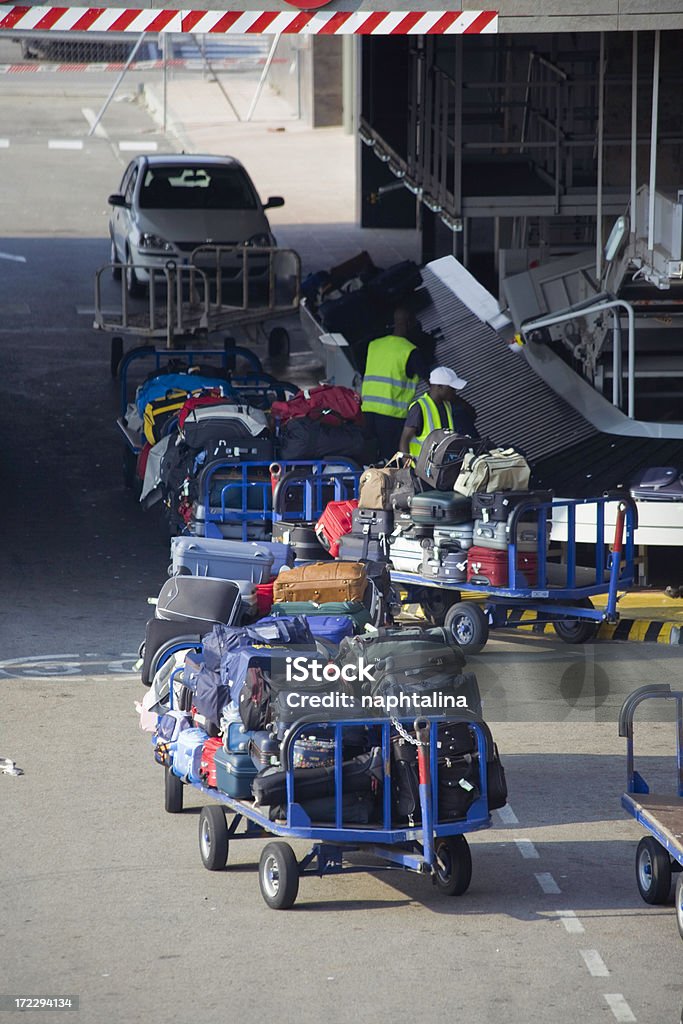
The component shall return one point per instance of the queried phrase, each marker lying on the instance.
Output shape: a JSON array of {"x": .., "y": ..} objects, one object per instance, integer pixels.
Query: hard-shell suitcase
[
  {"x": 490, "y": 568},
  {"x": 441, "y": 455},
  {"x": 302, "y": 538},
  {"x": 372, "y": 521},
  {"x": 357, "y": 549},
  {"x": 334, "y": 523},
  {"x": 439, "y": 507},
  {"x": 498, "y": 505},
  {"x": 660, "y": 483},
  {"x": 446, "y": 565},
  {"x": 236, "y": 737},
  {"x": 322, "y": 581},
  {"x": 198, "y": 599},
  {"x": 222, "y": 559},
  {"x": 405, "y": 527},
  {"x": 460, "y": 536},
  {"x": 226, "y": 447},
  {"x": 234, "y": 774},
  {"x": 207, "y": 767},
  {"x": 188, "y": 754},
  {"x": 264, "y": 749},
  {"x": 264, "y": 598},
  {"x": 406, "y": 554},
  {"x": 494, "y": 534}
]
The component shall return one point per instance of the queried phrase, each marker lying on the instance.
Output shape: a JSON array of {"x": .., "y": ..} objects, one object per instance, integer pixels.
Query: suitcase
[
  {"x": 222, "y": 559},
  {"x": 459, "y": 537},
  {"x": 159, "y": 632},
  {"x": 332, "y": 628},
  {"x": 489, "y": 567},
  {"x": 237, "y": 737},
  {"x": 406, "y": 554},
  {"x": 371, "y": 522},
  {"x": 240, "y": 423},
  {"x": 228, "y": 448},
  {"x": 302, "y": 538},
  {"x": 498, "y": 505},
  {"x": 440, "y": 507},
  {"x": 257, "y": 530},
  {"x": 195, "y": 599},
  {"x": 494, "y": 534},
  {"x": 359, "y": 775},
  {"x": 321, "y": 582},
  {"x": 405, "y": 527},
  {"x": 357, "y": 549},
  {"x": 661, "y": 483},
  {"x": 449, "y": 567},
  {"x": 264, "y": 598},
  {"x": 283, "y": 554},
  {"x": 312, "y": 752},
  {"x": 353, "y": 610},
  {"x": 264, "y": 749},
  {"x": 441, "y": 456},
  {"x": 357, "y": 809},
  {"x": 234, "y": 774},
  {"x": 207, "y": 766},
  {"x": 188, "y": 754},
  {"x": 334, "y": 523}
]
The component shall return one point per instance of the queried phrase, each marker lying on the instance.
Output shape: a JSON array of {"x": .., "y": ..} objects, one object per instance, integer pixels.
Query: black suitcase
[
  {"x": 371, "y": 521},
  {"x": 357, "y": 549},
  {"x": 441, "y": 456},
  {"x": 359, "y": 775},
  {"x": 357, "y": 809},
  {"x": 303, "y": 538},
  {"x": 498, "y": 505},
  {"x": 264, "y": 749},
  {"x": 240, "y": 449},
  {"x": 440, "y": 507},
  {"x": 159, "y": 633},
  {"x": 191, "y": 599}
]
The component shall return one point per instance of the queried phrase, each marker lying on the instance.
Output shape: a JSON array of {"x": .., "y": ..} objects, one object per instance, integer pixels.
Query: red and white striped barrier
[{"x": 122, "y": 19}]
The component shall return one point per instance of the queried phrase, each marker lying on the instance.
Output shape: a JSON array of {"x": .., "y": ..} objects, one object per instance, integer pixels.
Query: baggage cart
[
  {"x": 433, "y": 848},
  {"x": 561, "y": 593},
  {"x": 659, "y": 856}
]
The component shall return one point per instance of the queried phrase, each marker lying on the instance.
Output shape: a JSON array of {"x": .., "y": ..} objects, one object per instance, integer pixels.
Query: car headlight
[
  {"x": 263, "y": 239},
  {"x": 151, "y": 241}
]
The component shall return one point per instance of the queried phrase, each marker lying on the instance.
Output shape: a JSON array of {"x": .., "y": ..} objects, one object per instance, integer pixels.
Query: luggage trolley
[
  {"x": 660, "y": 854},
  {"x": 218, "y": 288},
  {"x": 561, "y": 593},
  {"x": 431, "y": 847}
]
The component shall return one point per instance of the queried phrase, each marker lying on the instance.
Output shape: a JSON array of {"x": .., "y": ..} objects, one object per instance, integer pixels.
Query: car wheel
[
  {"x": 133, "y": 286},
  {"x": 114, "y": 260}
]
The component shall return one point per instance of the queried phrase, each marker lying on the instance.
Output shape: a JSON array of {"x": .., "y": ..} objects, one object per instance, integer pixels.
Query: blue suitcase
[
  {"x": 234, "y": 774},
  {"x": 188, "y": 754}
]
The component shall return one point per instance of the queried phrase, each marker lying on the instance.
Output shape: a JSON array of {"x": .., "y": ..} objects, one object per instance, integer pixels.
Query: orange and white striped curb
[{"x": 122, "y": 19}]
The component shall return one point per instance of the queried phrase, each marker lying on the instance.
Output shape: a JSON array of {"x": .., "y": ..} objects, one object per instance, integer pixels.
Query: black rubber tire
[
  {"x": 115, "y": 355},
  {"x": 134, "y": 288},
  {"x": 435, "y": 603},
  {"x": 577, "y": 631},
  {"x": 468, "y": 626},
  {"x": 114, "y": 260},
  {"x": 213, "y": 838},
  {"x": 653, "y": 871},
  {"x": 678, "y": 902},
  {"x": 453, "y": 865},
  {"x": 278, "y": 875},
  {"x": 278, "y": 344},
  {"x": 173, "y": 792}
]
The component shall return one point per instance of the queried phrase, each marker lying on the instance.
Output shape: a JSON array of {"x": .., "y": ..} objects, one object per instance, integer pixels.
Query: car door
[{"x": 122, "y": 215}]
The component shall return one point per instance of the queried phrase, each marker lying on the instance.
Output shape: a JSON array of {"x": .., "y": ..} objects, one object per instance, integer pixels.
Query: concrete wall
[{"x": 308, "y": 75}]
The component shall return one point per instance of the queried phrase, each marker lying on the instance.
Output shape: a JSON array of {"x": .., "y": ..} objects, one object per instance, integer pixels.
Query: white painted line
[
  {"x": 570, "y": 922},
  {"x": 507, "y": 815},
  {"x": 11, "y": 256},
  {"x": 548, "y": 883},
  {"x": 594, "y": 962},
  {"x": 139, "y": 147},
  {"x": 620, "y": 1008},
  {"x": 91, "y": 117},
  {"x": 65, "y": 144},
  {"x": 4, "y": 143},
  {"x": 527, "y": 849}
]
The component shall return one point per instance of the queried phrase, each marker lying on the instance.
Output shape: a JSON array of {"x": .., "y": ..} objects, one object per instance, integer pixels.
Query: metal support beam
[
  {"x": 634, "y": 132},
  {"x": 117, "y": 83},
  {"x": 653, "y": 145},
  {"x": 264, "y": 75},
  {"x": 601, "y": 132}
]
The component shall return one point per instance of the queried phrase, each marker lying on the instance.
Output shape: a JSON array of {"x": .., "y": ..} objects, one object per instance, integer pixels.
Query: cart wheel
[
  {"x": 278, "y": 344},
  {"x": 468, "y": 626},
  {"x": 653, "y": 871},
  {"x": 679, "y": 904},
  {"x": 278, "y": 876},
  {"x": 577, "y": 631},
  {"x": 213, "y": 838},
  {"x": 453, "y": 867},
  {"x": 173, "y": 792},
  {"x": 435, "y": 603},
  {"x": 115, "y": 356}
]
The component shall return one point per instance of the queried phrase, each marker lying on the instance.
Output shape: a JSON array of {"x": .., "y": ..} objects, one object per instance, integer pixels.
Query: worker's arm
[{"x": 406, "y": 437}]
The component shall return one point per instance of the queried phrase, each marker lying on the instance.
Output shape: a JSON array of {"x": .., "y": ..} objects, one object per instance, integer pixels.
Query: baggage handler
[
  {"x": 442, "y": 407},
  {"x": 393, "y": 367}
]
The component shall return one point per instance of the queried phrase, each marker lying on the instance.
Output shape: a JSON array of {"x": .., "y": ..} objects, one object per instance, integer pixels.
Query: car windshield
[{"x": 196, "y": 188}]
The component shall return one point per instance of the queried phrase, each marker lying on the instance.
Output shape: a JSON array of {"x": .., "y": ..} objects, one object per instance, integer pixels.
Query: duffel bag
[
  {"x": 159, "y": 411},
  {"x": 378, "y": 485},
  {"x": 336, "y": 404},
  {"x": 321, "y": 582},
  {"x": 500, "y": 469},
  {"x": 359, "y": 775},
  {"x": 303, "y": 439}
]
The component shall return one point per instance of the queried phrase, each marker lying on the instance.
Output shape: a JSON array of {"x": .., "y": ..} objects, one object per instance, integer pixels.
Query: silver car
[{"x": 168, "y": 205}]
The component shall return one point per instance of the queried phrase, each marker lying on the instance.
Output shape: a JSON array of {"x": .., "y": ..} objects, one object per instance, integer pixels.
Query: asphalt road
[{"x": 103, "y": 894}]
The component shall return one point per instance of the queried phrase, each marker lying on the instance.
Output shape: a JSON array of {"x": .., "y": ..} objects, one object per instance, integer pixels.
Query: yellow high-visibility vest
[
  {"x": 431, "y": 420},
  {"x": 387, "y": 389}
]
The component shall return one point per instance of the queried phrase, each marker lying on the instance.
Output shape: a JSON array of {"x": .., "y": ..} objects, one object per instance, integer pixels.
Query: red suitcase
[
  {"x": 207, "y": 767},
  {"x": 336, "y": 520},
  {"x": 490, "y": 567},
  {"x": 264, "y": 598}
]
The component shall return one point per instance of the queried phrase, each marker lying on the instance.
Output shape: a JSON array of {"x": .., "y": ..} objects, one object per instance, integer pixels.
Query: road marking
[
  {"x": 507, "y": 815},
  {"x": 65, "y": 144},
  {"x": 139, "y": 147},
  {"x": 594, "y": 962},
  {"x": 4, "y": 143},
  {"x": 548, "y": 883},
  {"x": 620, "y": 1008},
  {"x": 570, "y": 921},
  {"x": 11, "y": 256},
  {"x": 91, "y": 118},
  {"x": 527, "y": 849}
]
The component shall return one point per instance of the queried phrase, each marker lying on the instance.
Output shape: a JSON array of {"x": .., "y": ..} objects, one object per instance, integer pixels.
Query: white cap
[{"x": 444, "y": 375}]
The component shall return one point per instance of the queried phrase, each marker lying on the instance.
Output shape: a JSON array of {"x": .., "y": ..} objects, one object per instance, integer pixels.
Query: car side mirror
[
  {"x": 117, "y": 200},
  {"x": 273, "y": 202}
]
